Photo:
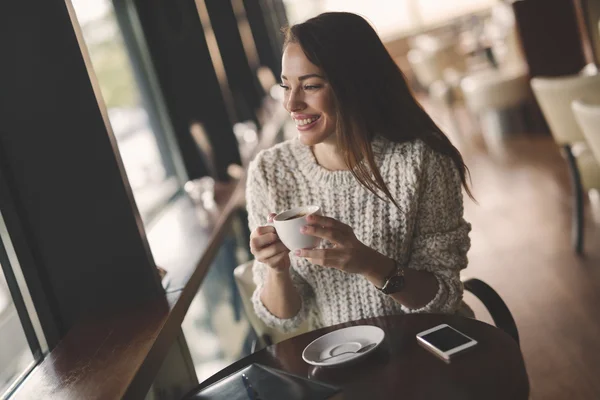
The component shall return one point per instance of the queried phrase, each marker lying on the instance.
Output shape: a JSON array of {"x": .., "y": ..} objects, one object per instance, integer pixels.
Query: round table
[{"x": 401, "y": 369}]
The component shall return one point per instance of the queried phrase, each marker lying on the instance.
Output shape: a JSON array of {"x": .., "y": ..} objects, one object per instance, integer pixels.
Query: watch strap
[{"x": 394, "y": 282}]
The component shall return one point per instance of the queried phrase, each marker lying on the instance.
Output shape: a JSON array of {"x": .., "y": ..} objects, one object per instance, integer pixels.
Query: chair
[
  {"x": 498, "y": 310},
  {"x": 266, "y": 335},
  {"x": 501, "y": 30},
  {"x": 424, "y": 66},
  {"x": 587, "y": 116},
  {"x": 438, "y": 67},
  {"x": 490, "y": 94},
  {"x": 432, "y": 59},
  {"x": 555, "y": 95}
]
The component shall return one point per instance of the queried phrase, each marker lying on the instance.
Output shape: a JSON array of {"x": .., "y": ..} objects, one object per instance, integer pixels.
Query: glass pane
[
  {"x": 15, "y": 354},
  {"x": 148, "y": 167},
  {"x": 215, "y": 326}
]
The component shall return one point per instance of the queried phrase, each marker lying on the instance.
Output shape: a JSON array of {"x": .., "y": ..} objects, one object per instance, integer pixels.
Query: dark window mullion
[
  {"x": 46, "y": 318},
  {"x": 17, "y": 297}
]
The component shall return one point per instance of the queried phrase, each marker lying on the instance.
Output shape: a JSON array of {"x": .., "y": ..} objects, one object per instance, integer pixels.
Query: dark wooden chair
[{"x": 498, "y": 310}]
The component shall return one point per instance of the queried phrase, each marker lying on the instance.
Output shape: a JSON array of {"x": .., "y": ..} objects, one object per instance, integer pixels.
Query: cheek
[{"x": 328, "y": 107}]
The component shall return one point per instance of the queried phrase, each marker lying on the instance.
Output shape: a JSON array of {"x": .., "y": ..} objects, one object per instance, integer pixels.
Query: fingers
[
  {"x": 333, "y": 235},
  {"x": 314, "y": 219},
  {"x": 323, "y": 257},
  {"x": 262, "y": 230},
  {"x": 276, "y": 259},
  {"x": 258, "y": 242},
  {"x": 263, "y": 255}
]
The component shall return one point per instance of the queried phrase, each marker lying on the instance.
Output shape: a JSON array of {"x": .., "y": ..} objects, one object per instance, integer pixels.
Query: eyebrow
[{"x": 304, "y": 77}]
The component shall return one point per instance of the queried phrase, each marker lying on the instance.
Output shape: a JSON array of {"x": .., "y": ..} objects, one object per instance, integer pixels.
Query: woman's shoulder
[
  {"x": 273, "y": 154},
  {"x": 273, "y": 158},
  {"x": 411, "y": 161},
  {"x": 414, "y": 152}
]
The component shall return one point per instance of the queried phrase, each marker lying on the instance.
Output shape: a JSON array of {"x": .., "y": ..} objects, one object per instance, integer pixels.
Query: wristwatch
[{"x": 394, "y": 282}]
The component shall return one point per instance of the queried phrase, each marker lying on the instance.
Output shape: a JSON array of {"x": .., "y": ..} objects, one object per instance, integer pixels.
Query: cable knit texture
[{"x": 427, "y": 232}]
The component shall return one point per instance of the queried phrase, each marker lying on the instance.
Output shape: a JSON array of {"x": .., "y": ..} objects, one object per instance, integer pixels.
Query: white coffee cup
[{"x": 288, "y": 230}]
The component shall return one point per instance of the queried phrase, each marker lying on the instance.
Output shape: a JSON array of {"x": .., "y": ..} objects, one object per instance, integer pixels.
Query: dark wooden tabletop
[{"x": 401, "y": 369}]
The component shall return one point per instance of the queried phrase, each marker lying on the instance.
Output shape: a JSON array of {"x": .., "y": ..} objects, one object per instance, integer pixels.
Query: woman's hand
[
  {"x": 348, "y": 254},
  {"x": 268, "y": 249}
]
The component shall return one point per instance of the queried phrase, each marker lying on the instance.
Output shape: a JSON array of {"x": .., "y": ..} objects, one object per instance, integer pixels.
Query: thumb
[{"x": 271, "y": 216}]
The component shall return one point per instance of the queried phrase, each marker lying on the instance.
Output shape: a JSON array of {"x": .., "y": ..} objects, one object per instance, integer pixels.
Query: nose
[{"x": 294, "y": 101}]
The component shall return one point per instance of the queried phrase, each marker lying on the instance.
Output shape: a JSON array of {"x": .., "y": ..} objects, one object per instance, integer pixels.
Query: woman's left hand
[{"x": 348, "y": 253}]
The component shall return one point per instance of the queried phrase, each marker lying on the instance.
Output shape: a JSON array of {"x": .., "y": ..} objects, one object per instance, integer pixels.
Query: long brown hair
[{"x": 370, "y": 92}]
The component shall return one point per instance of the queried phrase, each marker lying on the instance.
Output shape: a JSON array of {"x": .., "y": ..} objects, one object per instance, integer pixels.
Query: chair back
[
  {"x": 514, "y": 53},
  {"x": 431, "y": 58},
  {"x": 497, "y": 308},
  {"x": 245, "y": 284},
  {"x": 555, "y": 95},
  {"x": 424, "y": 67},
  {"x": 587, "y": 115},
  {"x": 496, "y": 89}
]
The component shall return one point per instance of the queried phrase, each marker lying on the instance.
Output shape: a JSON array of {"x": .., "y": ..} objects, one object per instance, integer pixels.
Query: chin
[{"x": 309, "y": 138}]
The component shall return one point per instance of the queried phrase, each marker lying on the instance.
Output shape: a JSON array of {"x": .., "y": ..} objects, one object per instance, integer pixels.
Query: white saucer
[{"x": 342, "y": 340}]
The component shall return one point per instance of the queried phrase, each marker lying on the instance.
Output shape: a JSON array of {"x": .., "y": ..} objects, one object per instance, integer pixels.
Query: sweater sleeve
[
  {"x": 441, "y": 238},
  {"x": 259, "y": 207}
]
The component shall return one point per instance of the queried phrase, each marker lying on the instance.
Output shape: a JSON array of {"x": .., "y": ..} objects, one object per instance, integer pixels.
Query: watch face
[{"x": 394, "y": 285}]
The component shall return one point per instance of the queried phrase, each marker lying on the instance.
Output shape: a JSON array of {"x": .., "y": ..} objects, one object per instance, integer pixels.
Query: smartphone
[{"x": 445, "y": 341}]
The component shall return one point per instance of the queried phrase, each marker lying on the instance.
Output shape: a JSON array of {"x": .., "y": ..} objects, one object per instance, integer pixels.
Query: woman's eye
[
  {"x": 284, "y": 86},
  {"x": 312, "y": 87}
]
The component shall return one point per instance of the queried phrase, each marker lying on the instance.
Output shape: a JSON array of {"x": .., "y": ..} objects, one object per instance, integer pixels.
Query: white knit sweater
[{"x": 427, "y": 232}]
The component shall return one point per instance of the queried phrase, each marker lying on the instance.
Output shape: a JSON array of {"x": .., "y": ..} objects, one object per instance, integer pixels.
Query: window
[
  {"x": 142, "y": 141},
  {"x": 20, "y": 350},
  {"x": 15, "y": 355}
]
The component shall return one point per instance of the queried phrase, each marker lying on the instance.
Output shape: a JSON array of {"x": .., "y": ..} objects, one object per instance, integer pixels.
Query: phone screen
[{"x": 446, "y": 338}]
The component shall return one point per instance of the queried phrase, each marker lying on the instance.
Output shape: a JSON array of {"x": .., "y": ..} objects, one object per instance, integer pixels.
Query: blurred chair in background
[
  {"x": 425, "y": 67},
  {"x": 588, "y": 117},
  {"x": 433, "y": 59},
  {"x": 555, "y": 95},
  {"x": 501, "y": 31},
  {"x": 438, "y": 67},
  {"x": 498, "y": 99}
]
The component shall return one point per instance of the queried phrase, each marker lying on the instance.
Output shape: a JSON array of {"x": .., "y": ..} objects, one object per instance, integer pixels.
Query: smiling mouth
[{"x": 306, "y": 123}]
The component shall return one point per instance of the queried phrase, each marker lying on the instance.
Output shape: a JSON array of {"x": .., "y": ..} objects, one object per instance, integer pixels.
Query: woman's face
[{"x": 308, "y": 97}]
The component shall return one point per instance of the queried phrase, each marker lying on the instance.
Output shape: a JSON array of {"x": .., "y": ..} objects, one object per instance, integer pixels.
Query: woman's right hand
[{"x": 268, "y": 249}]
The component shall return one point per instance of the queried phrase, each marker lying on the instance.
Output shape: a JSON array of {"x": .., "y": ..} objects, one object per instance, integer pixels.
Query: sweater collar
[{"x": 315, "y": 172}]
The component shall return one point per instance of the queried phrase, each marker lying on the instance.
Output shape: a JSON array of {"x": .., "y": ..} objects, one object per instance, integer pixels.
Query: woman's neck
[{"x": 328, "y": 156}]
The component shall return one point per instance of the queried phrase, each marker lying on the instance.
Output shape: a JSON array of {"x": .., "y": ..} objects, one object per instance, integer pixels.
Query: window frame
[
  {"x": 24, "y": 284},
  {"x": 151, "y": 100}
]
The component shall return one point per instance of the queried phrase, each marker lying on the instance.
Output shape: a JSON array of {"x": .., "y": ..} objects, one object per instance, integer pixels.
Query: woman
[{"x": 387, "y": 179}]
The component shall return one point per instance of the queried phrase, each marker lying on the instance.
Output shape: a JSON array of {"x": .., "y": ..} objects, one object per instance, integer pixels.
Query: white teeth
[{"x": 302, "y": 122}]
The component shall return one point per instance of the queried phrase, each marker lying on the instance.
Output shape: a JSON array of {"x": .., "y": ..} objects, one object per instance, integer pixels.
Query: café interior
[{"x": 127, "y": 129}]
